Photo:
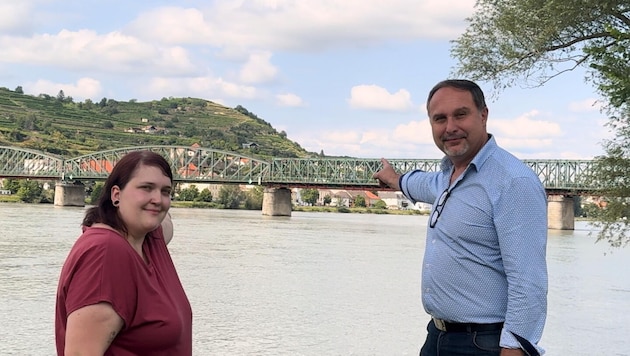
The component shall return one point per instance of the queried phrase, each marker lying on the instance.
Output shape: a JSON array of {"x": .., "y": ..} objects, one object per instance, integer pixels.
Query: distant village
[
  {"x": 149, "y": 129},
  {"x": 334, "y": 197}
]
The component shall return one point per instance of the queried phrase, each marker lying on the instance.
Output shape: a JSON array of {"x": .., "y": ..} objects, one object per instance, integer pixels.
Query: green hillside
[{"x": 58, "y": 125}]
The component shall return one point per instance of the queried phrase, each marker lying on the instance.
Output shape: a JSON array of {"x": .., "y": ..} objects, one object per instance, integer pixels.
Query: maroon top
[{"x": 103, "y": 267}]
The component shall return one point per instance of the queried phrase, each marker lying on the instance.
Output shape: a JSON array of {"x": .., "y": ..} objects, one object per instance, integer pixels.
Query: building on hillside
[
  {"x": 250, "y": 145},
  {"x": 150, "y": 129}
]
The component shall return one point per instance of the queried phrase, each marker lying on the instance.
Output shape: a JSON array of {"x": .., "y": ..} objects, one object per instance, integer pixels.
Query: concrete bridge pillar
[
  {"x": 276, "y": 202},
  {"x": 69, "y": 194},
  {"x": 560, "y": 212}
]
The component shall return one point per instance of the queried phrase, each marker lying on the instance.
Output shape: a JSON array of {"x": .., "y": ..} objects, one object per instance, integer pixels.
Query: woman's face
[{"x": 144, "y": 201}]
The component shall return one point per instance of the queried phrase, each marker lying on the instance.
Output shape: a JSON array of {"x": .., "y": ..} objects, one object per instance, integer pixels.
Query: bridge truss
[
  {"x": 207, "y": 165},
  {"x": 189, "y": 164},
  {"x": 24, "y": 163}
]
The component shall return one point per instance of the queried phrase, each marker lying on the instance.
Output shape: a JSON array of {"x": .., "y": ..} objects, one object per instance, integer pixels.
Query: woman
[{"x": 119, "y": 293}]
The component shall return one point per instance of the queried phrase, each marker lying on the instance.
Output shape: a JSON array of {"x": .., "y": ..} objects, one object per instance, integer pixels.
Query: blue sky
[{"x": 346, "y": 77}]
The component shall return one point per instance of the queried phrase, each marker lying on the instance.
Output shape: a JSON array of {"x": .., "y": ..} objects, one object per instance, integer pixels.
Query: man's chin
[{"x": 456, "y": 151}]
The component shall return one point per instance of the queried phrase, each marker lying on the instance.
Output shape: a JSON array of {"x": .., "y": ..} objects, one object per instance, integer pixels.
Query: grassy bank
[
  {"x": 10, "y": 199},
  {"x": 332, "y": 209}
]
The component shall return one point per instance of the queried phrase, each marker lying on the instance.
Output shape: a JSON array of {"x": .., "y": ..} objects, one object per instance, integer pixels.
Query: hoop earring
[{"x": 115, "y": 203}]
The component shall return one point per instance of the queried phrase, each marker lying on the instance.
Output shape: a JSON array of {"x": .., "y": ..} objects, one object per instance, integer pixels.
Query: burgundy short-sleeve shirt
[{"x": 103, "y": 267}]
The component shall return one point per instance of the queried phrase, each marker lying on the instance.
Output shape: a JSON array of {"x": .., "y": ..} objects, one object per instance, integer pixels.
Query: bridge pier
[
  {"x": 69, "y": 194},
  {"x": 276, "y": 202},
  {"x": 560, "y": 212}
]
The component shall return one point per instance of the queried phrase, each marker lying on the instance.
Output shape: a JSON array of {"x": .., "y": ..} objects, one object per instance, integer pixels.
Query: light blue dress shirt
[{"x": 485, "y": 258}]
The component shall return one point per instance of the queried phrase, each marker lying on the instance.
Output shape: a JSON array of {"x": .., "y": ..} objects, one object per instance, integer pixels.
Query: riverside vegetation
[{"x": 60, "y": 126}]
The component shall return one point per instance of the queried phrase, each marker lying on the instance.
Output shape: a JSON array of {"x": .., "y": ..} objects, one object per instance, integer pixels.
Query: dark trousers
[{"x": 477, "y": 343}]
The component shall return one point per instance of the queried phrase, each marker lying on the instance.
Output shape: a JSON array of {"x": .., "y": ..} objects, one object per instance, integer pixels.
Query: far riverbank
[{"x": 318, "y": 209}]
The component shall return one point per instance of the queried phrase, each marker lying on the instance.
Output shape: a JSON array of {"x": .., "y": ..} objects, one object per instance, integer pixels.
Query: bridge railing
[
  {"x": 189, "y": 164},
  {"x": 563, "y": 174},
  {"x": 342, "y": 172},
  {"x": 206, "y": 165}
]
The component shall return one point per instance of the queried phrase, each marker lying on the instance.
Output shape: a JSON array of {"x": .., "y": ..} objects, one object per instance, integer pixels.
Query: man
[{"x": 484, "y": 275}]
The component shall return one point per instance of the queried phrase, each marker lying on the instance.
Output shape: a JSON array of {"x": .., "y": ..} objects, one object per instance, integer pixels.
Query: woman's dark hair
[
  {"x": 462, "y": 84},
  {"x": 104, "y": 210}
]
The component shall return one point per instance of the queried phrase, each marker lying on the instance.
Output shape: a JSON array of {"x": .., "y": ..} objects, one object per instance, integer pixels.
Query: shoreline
[{"x": 317, "y": 209}]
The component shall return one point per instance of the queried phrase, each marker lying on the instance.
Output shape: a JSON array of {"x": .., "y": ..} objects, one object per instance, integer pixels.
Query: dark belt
[{"x": 446, "y": 326}]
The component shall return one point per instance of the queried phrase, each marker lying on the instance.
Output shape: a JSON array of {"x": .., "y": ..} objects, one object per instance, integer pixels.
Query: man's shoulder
[{"x": 507, "y": 165}]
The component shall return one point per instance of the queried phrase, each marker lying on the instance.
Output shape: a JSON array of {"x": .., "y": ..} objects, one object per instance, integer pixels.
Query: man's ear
[{"x": 484, "y": 116}]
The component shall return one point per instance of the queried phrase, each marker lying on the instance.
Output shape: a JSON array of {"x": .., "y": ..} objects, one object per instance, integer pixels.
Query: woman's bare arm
[
  {"x": 91, "y": 329},
  {"x": 167, "y": 228}
]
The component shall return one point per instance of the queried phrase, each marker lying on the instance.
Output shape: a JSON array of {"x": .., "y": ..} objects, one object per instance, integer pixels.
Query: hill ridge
[{"x": 58, "y": 125}]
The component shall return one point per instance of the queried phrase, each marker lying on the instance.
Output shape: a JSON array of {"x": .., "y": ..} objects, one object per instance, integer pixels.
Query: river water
[{"x": 310, "y": 284}]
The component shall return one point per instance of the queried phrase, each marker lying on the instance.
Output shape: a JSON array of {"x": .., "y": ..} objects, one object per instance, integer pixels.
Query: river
[{"x": 310, "y": 284}]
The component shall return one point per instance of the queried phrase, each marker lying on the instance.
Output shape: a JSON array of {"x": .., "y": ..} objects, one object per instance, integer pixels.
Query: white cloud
[
  {"x": 176, "y": 26},
  {"x": 290, "y": 99},
  {"x": 373, "y": 143},
  {"x": 202, "y": 87},
  {"x": 525, "y": 127},
  {"x": 586, "y": 105},
  {"x": 304, "y": 25},
  {"x": 374, "y": 97},
  {"x": 15, "y": 17},
  {"x": 414, "y": 132},
  {"x": 258, "y": 69},
  {"x": 84, "y": 88},
  {"x": 86, "y": 50}
]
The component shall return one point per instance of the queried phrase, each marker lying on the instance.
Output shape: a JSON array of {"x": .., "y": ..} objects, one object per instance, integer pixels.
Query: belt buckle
[{"x": 439, "y": 324}]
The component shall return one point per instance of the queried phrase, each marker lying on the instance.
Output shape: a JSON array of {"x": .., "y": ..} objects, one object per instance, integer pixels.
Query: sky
[{"x": 349, "y": 78}]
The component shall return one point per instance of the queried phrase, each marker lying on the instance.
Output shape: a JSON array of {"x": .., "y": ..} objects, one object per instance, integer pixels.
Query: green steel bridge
[{"x": 208, "y": 165}]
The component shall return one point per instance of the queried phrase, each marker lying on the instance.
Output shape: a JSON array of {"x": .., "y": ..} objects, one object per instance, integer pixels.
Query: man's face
[{"x": 459, "y": 128}]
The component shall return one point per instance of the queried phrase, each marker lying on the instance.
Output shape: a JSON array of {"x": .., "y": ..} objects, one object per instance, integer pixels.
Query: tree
[
  {"x": 19, "y": 89},
  {"x": 30, "y": 191},
  {"x": 11, "y": 184},
  {"x": 189, "y": 194},
  {"x": 254, "y": 198},
  {"x": 511, "y": 40},
  {"x": 96, "y": 192},
  {"x": 309, "y": 196},
  {"x": 61, "y": 96},
  {"x": 532, "y": 41},
  {"x": 205, "y": 195},
  {"x": 230, "y": 196},
  {"x": 380, "y": 204},
  {"x": 359, "y": 201}
]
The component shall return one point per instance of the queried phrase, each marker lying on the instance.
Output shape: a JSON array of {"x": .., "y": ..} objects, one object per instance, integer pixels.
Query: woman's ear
[{"x": 115, "y": 193}]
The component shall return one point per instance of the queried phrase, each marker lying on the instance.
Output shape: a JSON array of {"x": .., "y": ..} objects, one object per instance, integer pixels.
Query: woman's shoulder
[{"x": 100, "y": 235}]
